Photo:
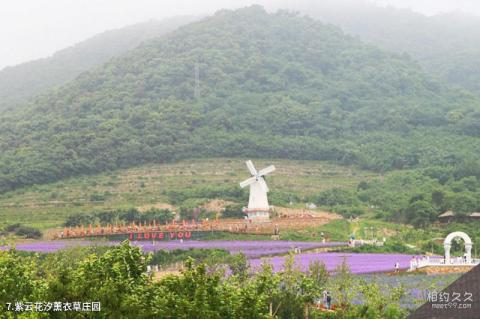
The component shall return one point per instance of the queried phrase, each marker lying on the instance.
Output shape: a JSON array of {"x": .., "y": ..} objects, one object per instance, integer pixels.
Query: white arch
[{"x": 447, "y": 244}]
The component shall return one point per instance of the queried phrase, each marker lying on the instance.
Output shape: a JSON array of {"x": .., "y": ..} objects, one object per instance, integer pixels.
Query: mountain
[
  {"x": 447, "y": 45},
  {"x": 270, "y": 85},
  {"x": 18, "y": 83}
]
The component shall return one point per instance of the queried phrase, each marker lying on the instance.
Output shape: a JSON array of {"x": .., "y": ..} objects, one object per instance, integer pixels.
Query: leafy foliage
[
  {"x": 17, "y": 279},
  {"x": 416, "y": 196},
  {"x": 166, "y": 257},
  {"x": 234, "y": 211}
]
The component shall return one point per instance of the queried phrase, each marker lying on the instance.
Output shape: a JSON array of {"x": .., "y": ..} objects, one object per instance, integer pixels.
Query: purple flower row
[
  {"x": 358, "y": 263},
  {"x": 46, "y": 246},
  {"x": 252, "y": 249}
]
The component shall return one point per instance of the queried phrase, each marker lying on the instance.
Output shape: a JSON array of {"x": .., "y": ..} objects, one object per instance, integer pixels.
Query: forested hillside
[
  {"x": 23, "y": 81},
  {"x": 447, "y": 45},
  {"x": 271, "y": 85}
]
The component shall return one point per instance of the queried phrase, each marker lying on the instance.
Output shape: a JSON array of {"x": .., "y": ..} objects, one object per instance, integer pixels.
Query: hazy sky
[{"x": 32, "y": 29}]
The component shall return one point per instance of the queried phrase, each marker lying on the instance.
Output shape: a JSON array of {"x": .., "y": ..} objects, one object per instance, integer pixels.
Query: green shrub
[
  {"x": 165, "y": 257},
  {"x": 337, "y": 196},
  {"x": 233, "y": 211},
  {"x": 28, "y": 232},
  {"x": 13, "y": 227},
  {"x": 78, "y": 219}
]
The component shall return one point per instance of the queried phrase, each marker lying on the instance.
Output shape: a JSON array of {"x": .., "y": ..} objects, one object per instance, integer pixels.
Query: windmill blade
[
  {"x": 248, "y": 182},
  {"x": 251, "y": 168},
  {"x": 266, "y": 170},
  {"x": 263, "y": 185}
]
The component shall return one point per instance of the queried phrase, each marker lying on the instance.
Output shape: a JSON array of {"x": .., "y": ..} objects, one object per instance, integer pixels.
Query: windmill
[{"x": 258, "y": 207}]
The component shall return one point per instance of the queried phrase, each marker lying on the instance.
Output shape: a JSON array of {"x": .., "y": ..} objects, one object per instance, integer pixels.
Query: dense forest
[
  {"x": 446, "y": 45},
  {"x": 272, "y": 85},
  {"x": 415, "y": 196},
  {"x": 18, "y": 83}
]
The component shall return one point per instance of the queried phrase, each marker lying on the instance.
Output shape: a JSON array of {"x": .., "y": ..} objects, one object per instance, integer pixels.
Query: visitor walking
[
  {"x": 325, "y": 293},
  {"x": 413, "y": 263},
  {"x": 329, "y": 300},
  {"x": 397, "y": 266}
]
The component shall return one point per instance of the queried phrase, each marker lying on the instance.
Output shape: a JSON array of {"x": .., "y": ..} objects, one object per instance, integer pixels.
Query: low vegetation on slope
[
  {"x": 407, "y": 196},
  {"x": 185, "y": 184}
]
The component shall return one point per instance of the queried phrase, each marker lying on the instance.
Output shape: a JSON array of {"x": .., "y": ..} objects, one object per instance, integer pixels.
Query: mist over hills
[
  {"x": 446, "y": 45},
  {"x": 21, "y": 82},
  {"x": 271, "y": 85}
]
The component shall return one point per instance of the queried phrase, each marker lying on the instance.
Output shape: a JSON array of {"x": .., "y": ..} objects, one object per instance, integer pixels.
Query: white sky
[{"x": 32, "y": 29}]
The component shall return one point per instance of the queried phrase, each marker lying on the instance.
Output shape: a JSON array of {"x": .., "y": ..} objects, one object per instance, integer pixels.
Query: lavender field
[
  {"x": 358, "y": 263},
  {"x": 46, "y": 246},
  {"x": 416, "y": 285},
  {"x": 254, "y": 250}
]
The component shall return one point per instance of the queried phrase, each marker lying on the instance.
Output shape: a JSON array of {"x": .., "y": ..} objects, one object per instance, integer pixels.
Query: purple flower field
[
  {"x": 252, "y": 249},
  {"x": 358, "y": 263},
  {"x": 46, "y": 246}
]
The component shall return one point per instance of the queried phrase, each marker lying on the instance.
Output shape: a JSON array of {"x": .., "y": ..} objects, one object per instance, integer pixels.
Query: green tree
[
  {"x": 239, "y": 266},
  {"x": 421, "y": 213},
  {"x": 111, "y": 278},
  {"x": 18, "y": 280}
]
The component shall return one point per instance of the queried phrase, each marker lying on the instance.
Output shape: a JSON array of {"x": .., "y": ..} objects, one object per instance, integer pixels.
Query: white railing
[
  {"x": 440, "y": 261},
  {"x": 360, "y": 242}
]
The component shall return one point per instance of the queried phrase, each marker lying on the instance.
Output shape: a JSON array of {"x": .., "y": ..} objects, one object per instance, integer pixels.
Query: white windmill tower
[{"x": 258, "y": 207}]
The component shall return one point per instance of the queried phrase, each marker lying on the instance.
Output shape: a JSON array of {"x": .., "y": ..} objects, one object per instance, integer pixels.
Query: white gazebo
[{"x": 447, "y": 244}]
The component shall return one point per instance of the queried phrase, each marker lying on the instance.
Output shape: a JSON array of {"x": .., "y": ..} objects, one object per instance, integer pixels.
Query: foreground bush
[
  {"x": 24, "y": 231},
  {"x": 117, "y": 278}
]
